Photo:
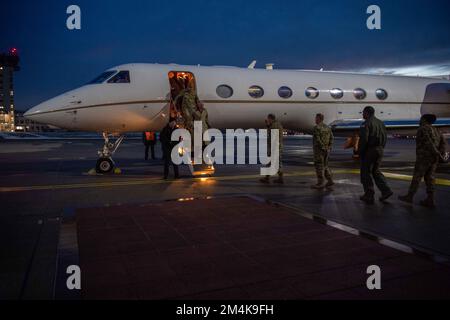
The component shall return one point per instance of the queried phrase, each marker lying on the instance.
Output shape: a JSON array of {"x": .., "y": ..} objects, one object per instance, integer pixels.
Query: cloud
[{"x": 425, "y": 70}]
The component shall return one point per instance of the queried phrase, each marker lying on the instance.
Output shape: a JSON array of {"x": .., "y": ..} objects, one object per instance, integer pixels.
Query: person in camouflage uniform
[
  {"x": 322, "y": 144},
  {"x": 273, "y": 123},
  {"x": 186, "y": 100},
  {"x": 201, "y": 114},
  {"x": 373, "y": 138},
  {"x": 429, "y": 142}
]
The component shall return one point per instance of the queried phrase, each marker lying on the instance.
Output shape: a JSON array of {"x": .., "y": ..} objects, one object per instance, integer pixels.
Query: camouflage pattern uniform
[
  {"x": 373, "y": 138},
  {"x": 428, "y": 141},
  {"x": 203, "y": 117},
  {"x": 187, "y": 98},
  {"x": 322, "y": 143}
]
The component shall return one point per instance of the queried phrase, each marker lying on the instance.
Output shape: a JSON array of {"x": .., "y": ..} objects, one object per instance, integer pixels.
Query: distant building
[{"x": 9, "y": 62}]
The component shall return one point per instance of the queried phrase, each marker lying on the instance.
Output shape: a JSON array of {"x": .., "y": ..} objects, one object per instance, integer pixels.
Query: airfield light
[
  {"x": 13, "y": 51},
  {"x": 185, "y": 199}
]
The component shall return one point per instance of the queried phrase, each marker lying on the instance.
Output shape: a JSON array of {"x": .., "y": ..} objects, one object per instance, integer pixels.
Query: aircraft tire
[{"x": 104, "y": 165}]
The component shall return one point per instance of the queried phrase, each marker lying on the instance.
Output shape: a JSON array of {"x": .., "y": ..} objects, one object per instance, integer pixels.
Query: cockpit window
[
  {"x": 105, "y": 75},
  {"x": 121, "y": 77}
]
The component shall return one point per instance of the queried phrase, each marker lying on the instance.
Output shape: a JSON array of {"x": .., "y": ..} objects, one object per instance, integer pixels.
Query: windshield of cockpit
[
  {"x": 101, "y": 78},
  {"x": 119, "y": 77}
]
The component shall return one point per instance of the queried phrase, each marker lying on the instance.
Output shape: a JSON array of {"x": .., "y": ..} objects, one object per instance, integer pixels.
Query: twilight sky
[{"x": 299, "y": 34}]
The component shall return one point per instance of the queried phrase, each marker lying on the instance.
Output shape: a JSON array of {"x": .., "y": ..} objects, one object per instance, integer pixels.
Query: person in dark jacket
[
  {"x": 373, "y": 137},
  {"x": 149, "y": 140},
  {"x": 167, "y": 145}
]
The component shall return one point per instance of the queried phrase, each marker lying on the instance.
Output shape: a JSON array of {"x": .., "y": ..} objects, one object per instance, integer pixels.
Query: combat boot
[
  {"x": 386, "y": 196},
  {"x": 367, "y": 198},
  {"x": 280, "y": 179},
  {"x": 329, "y": 184},
  {"x": 428, "y": 202},
  {"x": 319, "y": 185},
  {"x": 406, "y": 198}
]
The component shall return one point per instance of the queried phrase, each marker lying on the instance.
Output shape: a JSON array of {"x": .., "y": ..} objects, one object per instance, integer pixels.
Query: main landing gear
[{"x": 105, "y": 163}]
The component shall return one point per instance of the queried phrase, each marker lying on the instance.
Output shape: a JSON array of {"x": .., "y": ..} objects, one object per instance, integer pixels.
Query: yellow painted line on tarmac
[
  {"x": 82, "y": 185},
  {"x": 395, "y": 176},
  {"x": 134, "y": 182},
  {"x": 404, "y": 177},
  {"x": 150, "y": 181}
]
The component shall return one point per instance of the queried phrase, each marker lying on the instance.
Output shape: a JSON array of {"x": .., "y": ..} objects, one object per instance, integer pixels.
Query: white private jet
[{"x": 138, "y": 97}]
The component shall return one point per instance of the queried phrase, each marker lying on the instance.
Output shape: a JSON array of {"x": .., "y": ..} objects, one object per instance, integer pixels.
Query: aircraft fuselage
[{"x": 293, "y": 96}]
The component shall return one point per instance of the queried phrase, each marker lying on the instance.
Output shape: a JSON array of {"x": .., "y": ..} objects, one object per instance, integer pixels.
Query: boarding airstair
[{"x": 199, "y": 170}]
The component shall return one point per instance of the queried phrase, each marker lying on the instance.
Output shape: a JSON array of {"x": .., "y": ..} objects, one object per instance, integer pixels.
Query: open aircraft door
[{"x": 179, "y": 80}]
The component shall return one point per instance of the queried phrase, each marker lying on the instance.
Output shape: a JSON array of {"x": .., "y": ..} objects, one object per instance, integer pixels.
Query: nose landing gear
[{"x": 105, "y": 163}]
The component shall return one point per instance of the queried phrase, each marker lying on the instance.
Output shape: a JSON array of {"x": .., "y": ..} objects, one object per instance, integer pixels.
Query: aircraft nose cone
[
  {"x": 28, "y": 114},
  {"x": 42, "y": 113},
  {"x": 32, "y": 113}
]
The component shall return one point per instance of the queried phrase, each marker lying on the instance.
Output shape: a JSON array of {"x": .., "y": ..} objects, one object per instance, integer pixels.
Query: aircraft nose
[
  {"x": 29, "y": 114},
  {"x": 58, "y": 103},
  {"x": 34, "y": 112},
  {"x": 45, "y": 112}
]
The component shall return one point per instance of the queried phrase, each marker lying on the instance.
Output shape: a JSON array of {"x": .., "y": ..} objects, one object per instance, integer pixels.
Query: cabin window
[
  {"x": 285, "y": 92},
  {"x": 359, "y": 93},
  {"x": 255, "y": 92},
  {"x": 312, "y": 92},
  {"x": 121, "y": 77},
  {"x": 224, "y": 91},
  {"x": 337, "y": 93},
  {"x": 381, "y": 94},
  {"x": 101, "y": 78}
]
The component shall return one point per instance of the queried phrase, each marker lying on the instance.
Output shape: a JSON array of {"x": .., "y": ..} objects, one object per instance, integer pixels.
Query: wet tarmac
[{"x": 42, "y": 181}]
